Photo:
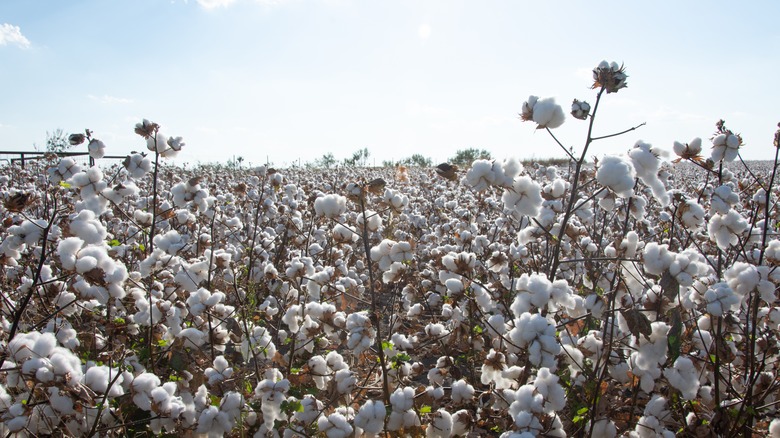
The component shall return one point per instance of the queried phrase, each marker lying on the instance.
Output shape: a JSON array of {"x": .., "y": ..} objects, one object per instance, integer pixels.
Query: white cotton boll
[
  {"x": 85, "y": 264},
  {"x": 435, "y": 392},
  {"x": 725, "y": 229},
  {"x": 524, "y": 197},
  {"x": 723, "y": 198},
  {"x": 330, "y": 206},
  {"x": 371, "y": 417},
  {"x": 604, "y": 428},
  {"x": 743, "y": 278},
  {"x": 480, "y": 176},
  {"x": 319, "y": 371},
  {"x": 361, "y": 332},
  {"x": 440, "y": 425},
  {"x": 334, "y": 425},
  {"x": 44, "y": 345},
  {"x": 193, "y": 337},
  {"x": 402, "y": 419},
  {"x": 97, "y": 149},
  {"x": 462, "y": 392},
  {"x": 689, "y": 150},
  {"x": 720, "y": 298},
  {"x": 402, "y": 399},
  {"x": 617, "y": 174},
  {"x": 683, "y": 376},
  {"x": 691, "y": 215},
  {"x": 546, "y": 383},
  {"x": 725, "y": 147},
  {"x": 157, "y": 142},
  {"x": 774, "y": 428},
  {"x": 372, "y": 220},
  {"x": 346, "y": 381},
  {"x": 87, "y": 227},
  {"x": 646, "y": 164},
  {"x": 657, "y": 258},
  {"x": 63, "y": 404},
  {"x": 342, "y": 234},
  {"x": 67, "y": 249},
  {"x": 548, "y": 114}
]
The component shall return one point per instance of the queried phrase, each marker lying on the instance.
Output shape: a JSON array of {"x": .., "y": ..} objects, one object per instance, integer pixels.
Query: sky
[{"x": 287, "y": 81}]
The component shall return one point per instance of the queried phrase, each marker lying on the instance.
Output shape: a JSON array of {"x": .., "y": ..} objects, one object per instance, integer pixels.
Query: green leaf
[
  {"x": 114, "y": 242},
  {"x": 582, "y": 411},
  {"x": 425, "y": 409},
  {"x": 65, "y": 185},
  {"x": 674, "y": 338}
]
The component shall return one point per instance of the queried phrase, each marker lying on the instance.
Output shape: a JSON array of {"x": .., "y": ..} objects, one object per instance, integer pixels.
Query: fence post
[{"x": 22, "y": 160}]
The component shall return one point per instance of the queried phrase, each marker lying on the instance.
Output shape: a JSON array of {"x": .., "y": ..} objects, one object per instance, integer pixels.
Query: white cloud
[
  {"x": 424, "y": 31},
  {"x": 10, "y": 34},
  {"x": 213, "y": 4},
  {"x": 109, "y": 99}
]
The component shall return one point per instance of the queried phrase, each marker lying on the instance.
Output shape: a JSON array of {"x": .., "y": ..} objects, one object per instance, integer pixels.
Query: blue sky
[{"x": 290, "y": 80}]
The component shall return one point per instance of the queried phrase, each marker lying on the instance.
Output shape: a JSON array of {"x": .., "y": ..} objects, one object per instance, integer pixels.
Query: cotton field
[{"x": 628, "y": 295}]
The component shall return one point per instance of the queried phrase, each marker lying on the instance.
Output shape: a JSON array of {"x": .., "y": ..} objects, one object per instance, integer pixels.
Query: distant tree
[
  {"x": 359, "y": 158},
  {"x": 235, "y": 162},
  {"x": 57, "y": 141},
  {"x": 464, "y": 157},
  {"x": 326, "y": 161},
  {"x": 417, "y": 160}
]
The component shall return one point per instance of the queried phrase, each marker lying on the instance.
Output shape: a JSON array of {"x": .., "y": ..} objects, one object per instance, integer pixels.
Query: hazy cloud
[
  {"x": 213, "y": 4},
  {"x": 10, "y": 34},
  {"x": 424, "y": 31},
  {"x": 109, "y": 99}
]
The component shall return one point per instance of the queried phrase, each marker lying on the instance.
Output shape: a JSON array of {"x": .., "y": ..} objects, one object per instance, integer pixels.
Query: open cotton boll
[
  {"x": 462, "y": 392},
  {"x": 646, "y": 163},
  {"x": 545, "y": 112},
  {"x": 618, "y": 174},
  {"x": 87, "y": 227},
  {"x": 96, "y": 148},
  {"x": 371, "y": 417},
  {"x": 480, "y": 176},
  {"x": 361, "y": 332},
  {"x": 725, "y": 147},
  {"x": 440, "y": 425},
  {"x": 371, "y": 220},
  {"x": 334, "y": 425},
  {"x": 524, "y": 197},
  {"x": 684, "y": 377},
  {"x": 691, "y": 215},
  {"x": 726, "y": 229},
  {"x": 330, "y": 206}
]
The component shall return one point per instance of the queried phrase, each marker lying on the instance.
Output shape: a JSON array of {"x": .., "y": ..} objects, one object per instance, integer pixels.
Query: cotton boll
[
  {"x": 87, "y": 227},
  {"x": 480, "y": 176},
  {"x": 440, "y": 426},
  {"x": 683, "y": 376},
  {"x": 334, "y": 425},
  {"x": 545, "y": 112},
  {"x": 524, "y": 197},
  {"x": 774, "y": 428},
  {"x": 691, "y": 215},
  {"x": 604, "y": 428},
  {"x": 725, "y": 147},
  {"x": 617, "y": 174},
  {"x": 646, "y": 164},
  {"x": 371, "y": 417},
  {"x": 330, "y": 206},
  {"x": 725, "y": 229}
]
